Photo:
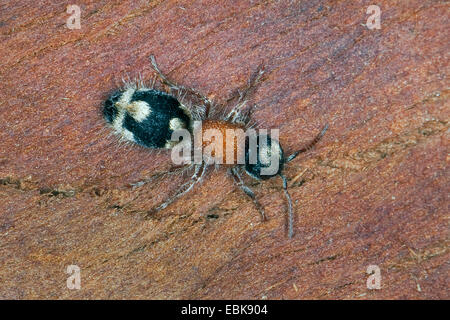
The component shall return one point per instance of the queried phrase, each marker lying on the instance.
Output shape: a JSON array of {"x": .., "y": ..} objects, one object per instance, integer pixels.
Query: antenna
[
  {"x": 290, "y": 211},
  {"x": 309, "y": 146}
]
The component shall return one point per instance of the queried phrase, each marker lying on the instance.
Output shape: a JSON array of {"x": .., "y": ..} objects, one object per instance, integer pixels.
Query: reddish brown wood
[{"x": 374, "y": 191}]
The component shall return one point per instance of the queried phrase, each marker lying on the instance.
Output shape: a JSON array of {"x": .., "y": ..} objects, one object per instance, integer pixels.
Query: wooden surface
[{"x": 373, "y": 192}]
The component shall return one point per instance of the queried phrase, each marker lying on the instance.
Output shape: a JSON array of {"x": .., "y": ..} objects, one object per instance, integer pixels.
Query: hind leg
[
  {"x": 173, "y": 85},
  {"x": 181, "y": 169},
  {"x": 198, "y": 176}
]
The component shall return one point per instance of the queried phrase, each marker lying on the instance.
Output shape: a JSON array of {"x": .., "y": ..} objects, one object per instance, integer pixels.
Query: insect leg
[
  {"x": 235, "y": 114},
  {"x": 199, "y": 173},
  {"x": 253, "y": 81},
  {"x": 175, "y": 86},
  {"x": 173, "y": 170},
  {"x": 238, "y": 180}
]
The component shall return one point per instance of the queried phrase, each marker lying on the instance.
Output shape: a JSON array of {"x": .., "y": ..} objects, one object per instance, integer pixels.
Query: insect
[{"x": 148, "y": 117}]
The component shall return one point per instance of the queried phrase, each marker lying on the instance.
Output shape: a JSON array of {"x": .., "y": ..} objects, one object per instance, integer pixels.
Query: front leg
[{"x": 234, "y": 172}]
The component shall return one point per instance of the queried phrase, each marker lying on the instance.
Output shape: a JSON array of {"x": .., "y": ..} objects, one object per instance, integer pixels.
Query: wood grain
[{"x": 374, "y": 191}]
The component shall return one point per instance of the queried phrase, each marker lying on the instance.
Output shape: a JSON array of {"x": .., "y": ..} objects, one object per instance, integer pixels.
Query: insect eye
[{"x": 264, "y": 157}]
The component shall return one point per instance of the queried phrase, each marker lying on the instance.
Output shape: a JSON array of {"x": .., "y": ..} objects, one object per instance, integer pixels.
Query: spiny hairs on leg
[
  {"x": 309, "y": 146},
  {"x": 237, "y": 114},
  {"x": 175, "y": 86},
  {"x": 172, "y": 171},
  {"x": 254, "y": 79},
  {"x": 243, "y": 116},
  {"x": 198, "y": 176},
  {"x": 197, "y": 112},
  {"x": 238, "y": 180}
]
